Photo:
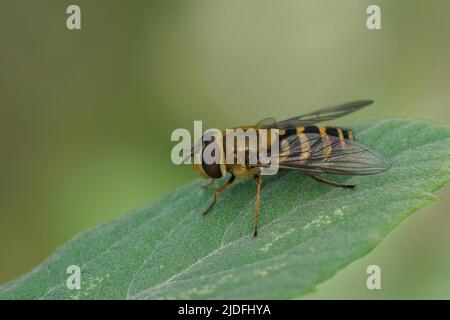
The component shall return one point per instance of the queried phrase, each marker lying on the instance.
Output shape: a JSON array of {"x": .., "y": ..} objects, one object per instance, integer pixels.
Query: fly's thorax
[
  {"x": 241, "y": 170},
  {"x": 250, "y": 145}
]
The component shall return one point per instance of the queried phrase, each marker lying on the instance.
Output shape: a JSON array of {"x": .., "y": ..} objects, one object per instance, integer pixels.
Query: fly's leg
[
  {"x": 209, "y": 184},
  {"x": 330, "y": 182},
  {"x": 258, "y": 188},
  {"x": 226, "y": 185}
]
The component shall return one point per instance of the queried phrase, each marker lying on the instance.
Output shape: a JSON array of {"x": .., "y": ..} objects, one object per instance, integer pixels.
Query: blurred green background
[{"x": 86, "y": 116}]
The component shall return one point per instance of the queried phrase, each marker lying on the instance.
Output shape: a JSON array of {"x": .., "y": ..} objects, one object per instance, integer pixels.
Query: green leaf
[{"x": 308, "y": 231}]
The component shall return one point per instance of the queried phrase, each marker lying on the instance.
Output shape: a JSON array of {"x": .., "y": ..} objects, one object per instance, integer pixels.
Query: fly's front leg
[
  {"x": 258, "y": 188},
  {"x": 330, "y": 182},
  {"x": 209, "y": 184},
  {"x": 226, "y": 185}
]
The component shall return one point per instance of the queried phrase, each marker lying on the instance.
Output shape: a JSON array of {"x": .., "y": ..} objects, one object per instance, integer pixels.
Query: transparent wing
[
  {"x": 326, "y": 114},
  {"x": 330, "y": 155},
  {"x": 266, "y": 122}
]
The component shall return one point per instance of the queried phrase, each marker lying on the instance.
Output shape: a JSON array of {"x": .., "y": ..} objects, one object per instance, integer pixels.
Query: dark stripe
[
  {"x": 294, "y": 143},
  {"x": 345, "y": 133},
  {"x": 332, "y": 132},
  {"x": 311, "y": 129},
  {"x": 288, "y": 132}
]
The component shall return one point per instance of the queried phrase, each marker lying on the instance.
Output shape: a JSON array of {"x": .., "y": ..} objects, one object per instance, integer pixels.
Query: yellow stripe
[
  {"x": 341, "y": 137},
  {"x": 340, "y": 133},
  {"x": 326, "y": 142},
  {"x": 304, "y": 144},
  {"x": 350, "y": 135}
]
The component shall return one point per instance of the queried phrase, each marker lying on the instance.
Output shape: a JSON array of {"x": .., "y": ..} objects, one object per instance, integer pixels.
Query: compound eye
[{"x": 214, "y": 169}]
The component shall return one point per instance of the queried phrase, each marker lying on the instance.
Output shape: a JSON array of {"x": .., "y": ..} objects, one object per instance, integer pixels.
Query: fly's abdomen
[{"x": 303, "y": 143}]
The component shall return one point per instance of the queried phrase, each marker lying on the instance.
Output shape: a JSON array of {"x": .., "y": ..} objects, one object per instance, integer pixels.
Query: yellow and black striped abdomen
[
  {"x": 342, "y": 134},
  {"x": 304, "y": 142}
]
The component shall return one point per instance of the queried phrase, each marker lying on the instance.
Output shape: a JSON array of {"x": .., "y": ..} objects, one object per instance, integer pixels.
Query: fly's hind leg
[
  {"x": 258, "y": 188},
  {"x": 226, "y": 185},
  {"x": 330, "y": 182}
]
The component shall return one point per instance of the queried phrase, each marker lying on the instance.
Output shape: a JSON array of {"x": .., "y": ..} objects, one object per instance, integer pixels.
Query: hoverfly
[{"x": 305, "y": 147}]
